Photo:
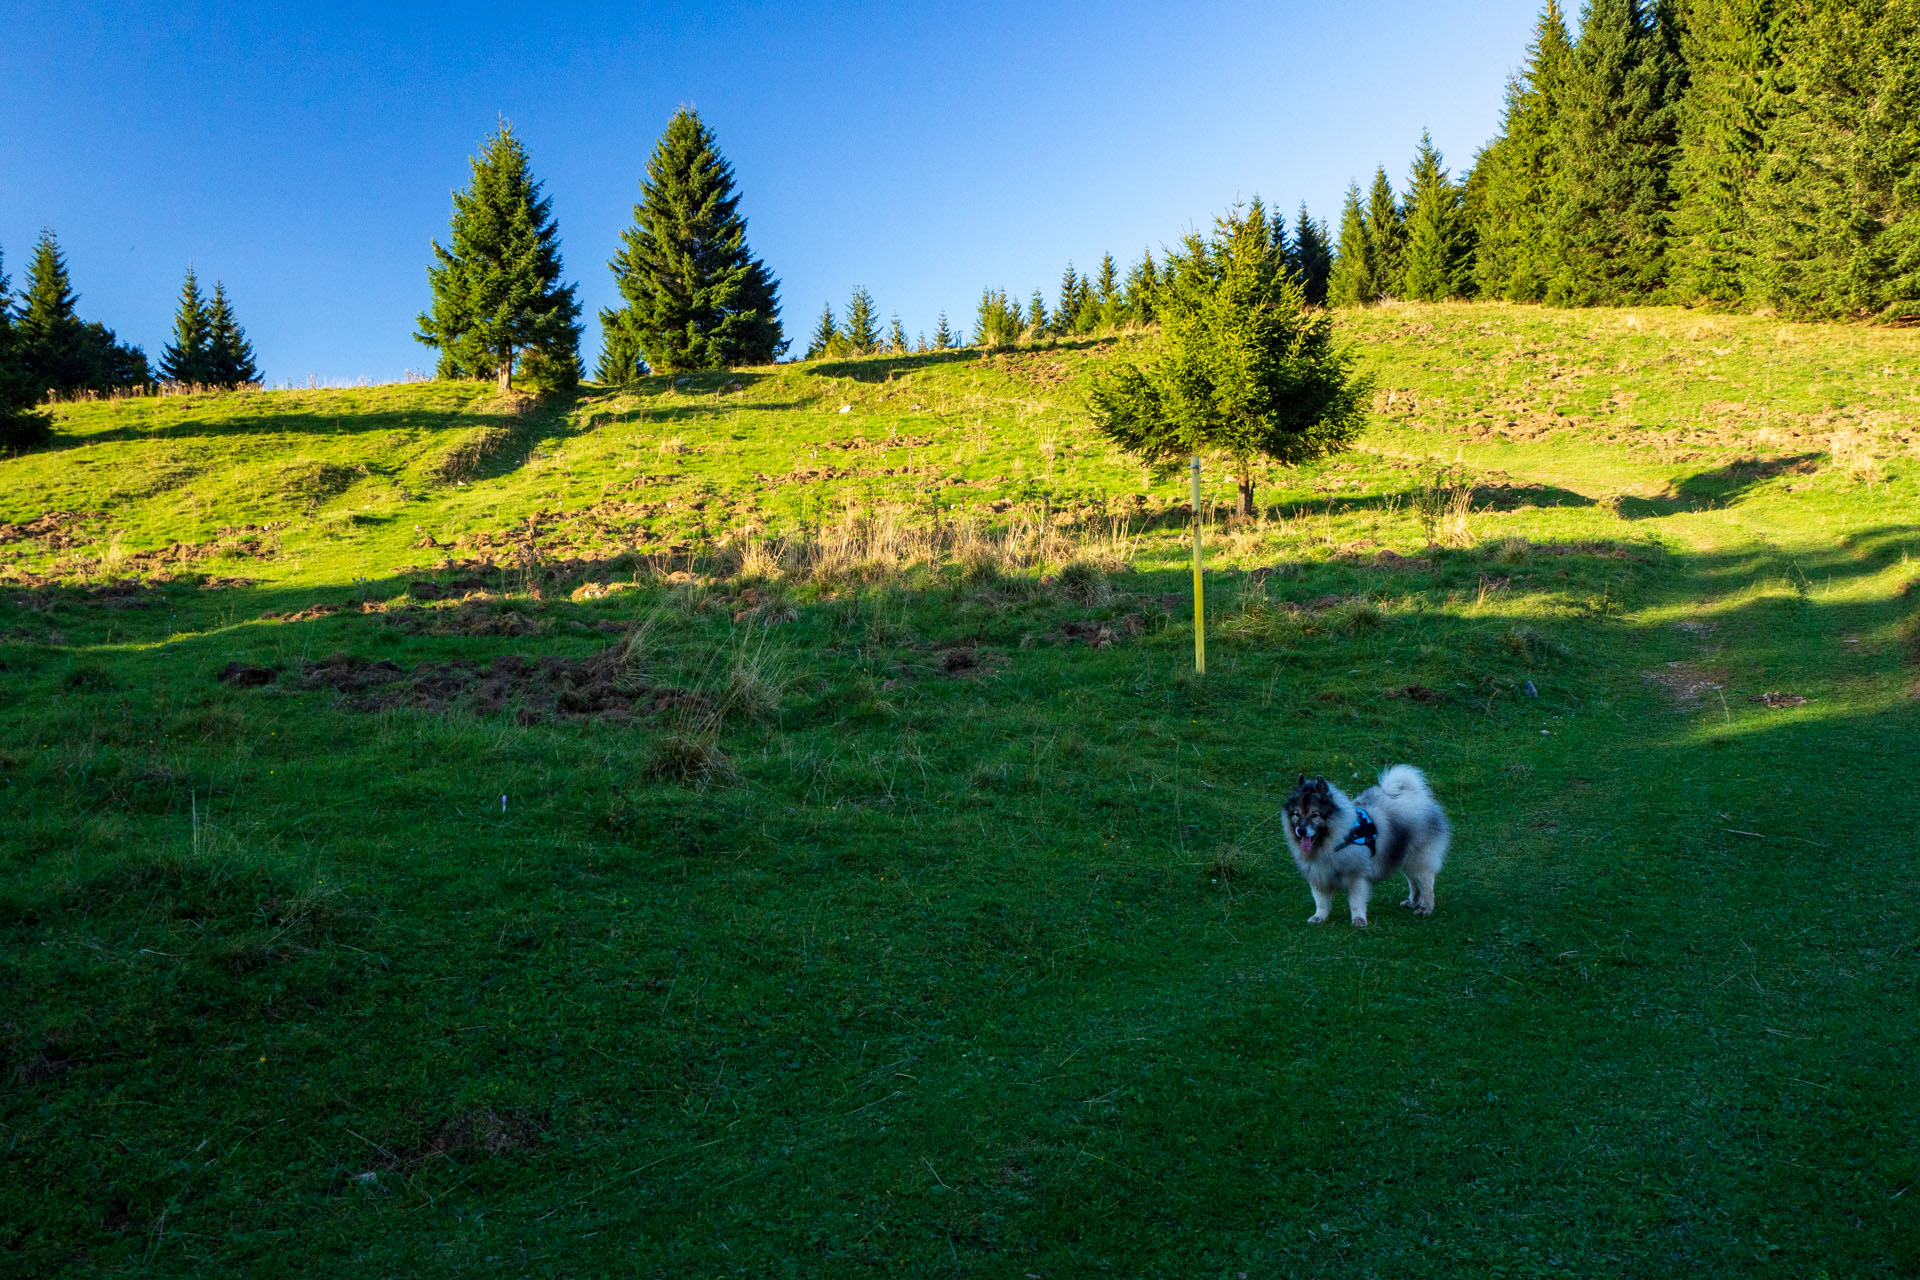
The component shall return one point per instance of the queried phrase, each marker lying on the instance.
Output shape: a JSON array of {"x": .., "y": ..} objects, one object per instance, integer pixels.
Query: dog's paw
[
  {"x": 1318, "y": 917},
  {"x": 1424, "y": 909},
  {"x": 1359, "y": 922},
  {"x": 1409, "y": 902}
]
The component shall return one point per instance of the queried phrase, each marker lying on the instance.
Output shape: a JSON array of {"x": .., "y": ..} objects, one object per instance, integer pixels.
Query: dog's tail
[{"x": 1404, "y": 779}]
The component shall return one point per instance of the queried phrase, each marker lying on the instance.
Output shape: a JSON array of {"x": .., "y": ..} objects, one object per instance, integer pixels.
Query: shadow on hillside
[
  {"x": 1726, "y": 484},
  {"x": 704, "y": 382},
  {"x": 1498, "y": 496},
  {"x": 548, "y": 416},
  {"x": 1620, "y": 849},
  {"x": 885, "y": 368}
]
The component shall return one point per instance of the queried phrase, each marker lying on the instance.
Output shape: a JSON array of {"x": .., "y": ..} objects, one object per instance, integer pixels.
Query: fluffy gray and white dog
[{"x": 1347, "y": 846}]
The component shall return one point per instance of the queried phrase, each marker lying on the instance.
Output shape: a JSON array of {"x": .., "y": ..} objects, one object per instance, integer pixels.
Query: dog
[{"x": 1348, "y": 846}]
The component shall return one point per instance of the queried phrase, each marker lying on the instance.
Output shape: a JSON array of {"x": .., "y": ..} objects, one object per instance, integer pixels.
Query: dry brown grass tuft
[{"x": 1444, "y": 509}]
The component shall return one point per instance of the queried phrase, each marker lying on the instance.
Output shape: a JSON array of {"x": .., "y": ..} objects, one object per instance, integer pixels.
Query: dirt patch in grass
[
  {"x": 860, "y": 443},
  {"x": 122, "y": 595},
  {"x": 596, "y": 687},
  {"x": 1097, "y": 634},
  {"x": 480, "y": 1132},
  {"x": 1772, "y": 699},
  {"x": 464, "y": 460},
  {"x": 1685, "y": 683},
  {"x": 1417, "y": 693},
  {"x": 468, "y": 618},
  {"x": 54, "y": 528},
  {"x": 243, "y": 676},
  {"x": 307, "y": 614}
]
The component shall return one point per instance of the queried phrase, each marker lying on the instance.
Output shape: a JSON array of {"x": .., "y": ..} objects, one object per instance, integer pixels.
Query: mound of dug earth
[{"x": 594, "y": 687}]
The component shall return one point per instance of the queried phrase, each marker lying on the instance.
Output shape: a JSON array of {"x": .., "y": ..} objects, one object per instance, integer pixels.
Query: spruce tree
[
  {"x": 1142, "y": 282},
  {"x": 1105, "y": 294},
  {"x": 229, "y": 354},
  {"x": 1613, "y": 146},
  {"x": 112, "y": 365},
  {"x": 496, "y": 290},
  {"x": 863, "y": 323},
  {"x": 1438, "y": 260},
  {"x": 1069, "y": 302},
  {"x": 1513, "y": 179},
  {"x": 20, "y": 426},
  {"x": 1350, "y": 283},
  {"x": 1282, "y": 236},
  {"x": 1312, "y": 259},
  {"x": 1732, "y": 61},
  {"x": 943, "y": 335},
  {"x": 1038, "y": 321},
  {"x": 621, "y": 360},
  {"x": 996, "y": 321},
  {"x": 53, "y": 344},
  {"x": 1244, "y": 369},
  {"x": 696, "y": 297},
  {"x": 1386, "y": 237},
  {"x": 185, "y": 358},
  {"x": 1835, "y": 205},
  {"x": 897, "y": 337},
  {"x": 828, "y": 340}
]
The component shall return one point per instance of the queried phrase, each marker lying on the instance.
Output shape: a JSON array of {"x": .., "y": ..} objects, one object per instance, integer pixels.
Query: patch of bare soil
[
  {"x": 1036, "y": 367},
  {"x": 54, "y": 528},
  {"x": 122, "y": 595},
  {"x": 468, "y": 618},
  {"x": 1685, "y": 682},
  {"x": 246, "y": 541},
  {"x": 1417, "y": 693},
  {"x": 1772, "y": 699},
  {"x": 480, "y": 1132},
  {"x": 595, "y": 687},
  {"x": 956, "y": 662},
  {"x": 860, "y": 443},
  {"x": 307, "y": 614},
  {"x": 1100, "y": 635},
  {"x": 243, "y": 676}
]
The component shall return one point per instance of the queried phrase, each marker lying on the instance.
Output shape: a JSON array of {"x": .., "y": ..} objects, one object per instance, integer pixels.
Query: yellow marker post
[{"x": 1199, "y": 589}]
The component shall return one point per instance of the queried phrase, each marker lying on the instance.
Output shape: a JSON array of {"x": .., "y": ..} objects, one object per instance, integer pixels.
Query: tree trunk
[
  {"x": 505, "y": 373},
  {"x": 1246, "y": 495}
]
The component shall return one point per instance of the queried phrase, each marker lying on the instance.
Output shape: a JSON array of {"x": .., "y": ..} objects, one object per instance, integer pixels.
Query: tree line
[
  {"x": 47, "y": 351},
  {"x": 1720, "y": 153},
  {"x": 1103, "y": 301}
]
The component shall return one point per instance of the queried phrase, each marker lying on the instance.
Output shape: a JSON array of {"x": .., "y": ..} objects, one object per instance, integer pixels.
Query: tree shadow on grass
[
  {"x": 546, "y": 416},
  {"x": 1599, "y": 902},
  {"x": 886, "y": 368}
]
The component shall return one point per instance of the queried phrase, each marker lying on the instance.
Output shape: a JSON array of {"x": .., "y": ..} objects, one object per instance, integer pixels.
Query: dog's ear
[{"x": 1302, "y": 782}]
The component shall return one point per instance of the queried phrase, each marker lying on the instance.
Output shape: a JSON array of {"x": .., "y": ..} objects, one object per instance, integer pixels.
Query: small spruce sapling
[{"x": 1243, "y": 369}]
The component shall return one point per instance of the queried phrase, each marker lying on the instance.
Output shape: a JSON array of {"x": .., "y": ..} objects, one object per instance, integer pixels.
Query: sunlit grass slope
[{"x": 767, "y": 824}]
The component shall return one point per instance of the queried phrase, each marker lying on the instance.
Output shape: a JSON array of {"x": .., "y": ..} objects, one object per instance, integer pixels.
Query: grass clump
[
  {"x": 1443, "y": 509},
  {"x": 1083, "y": 582}
]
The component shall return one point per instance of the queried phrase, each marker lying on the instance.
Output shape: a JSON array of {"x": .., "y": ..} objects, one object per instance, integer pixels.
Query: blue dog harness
[{"x": 1362, "y": 833}]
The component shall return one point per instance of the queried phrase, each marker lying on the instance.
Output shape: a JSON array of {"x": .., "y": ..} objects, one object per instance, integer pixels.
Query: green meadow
[{"x": 769, "y": 824}]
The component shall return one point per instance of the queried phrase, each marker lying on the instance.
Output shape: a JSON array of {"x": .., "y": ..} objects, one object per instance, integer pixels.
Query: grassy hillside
[{"x": 768, "y": 824}]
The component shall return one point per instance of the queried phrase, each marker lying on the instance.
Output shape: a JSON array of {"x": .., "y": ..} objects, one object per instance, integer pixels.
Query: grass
[{"x": 792, "y": 841}]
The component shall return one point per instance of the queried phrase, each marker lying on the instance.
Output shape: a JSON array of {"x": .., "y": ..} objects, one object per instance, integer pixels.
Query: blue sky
[{"x": 304, "y": 154}]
